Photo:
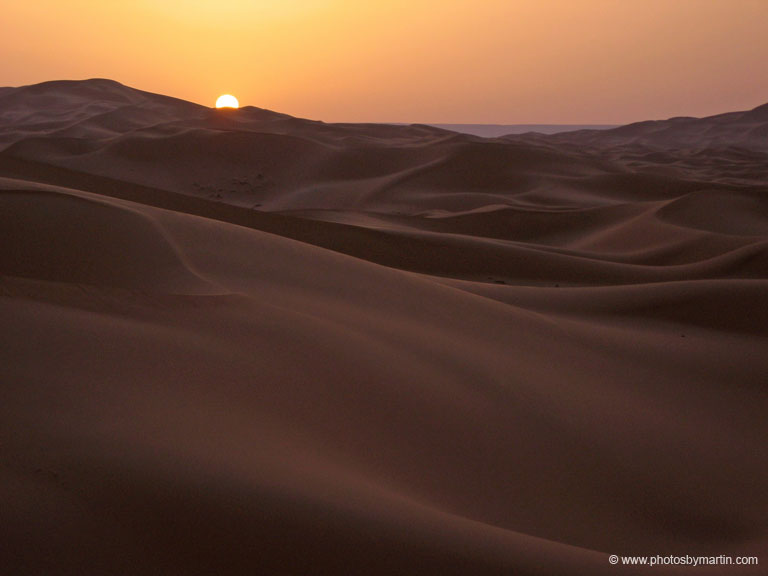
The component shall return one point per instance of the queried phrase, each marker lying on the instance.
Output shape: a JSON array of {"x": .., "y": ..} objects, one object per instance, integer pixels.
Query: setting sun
[{"x": 227, "y": 101}]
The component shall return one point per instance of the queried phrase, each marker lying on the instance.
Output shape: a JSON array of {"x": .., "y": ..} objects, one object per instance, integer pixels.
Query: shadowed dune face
[
  {"x": 248, "y": 343},
  {"x": 67, "y": 238}
]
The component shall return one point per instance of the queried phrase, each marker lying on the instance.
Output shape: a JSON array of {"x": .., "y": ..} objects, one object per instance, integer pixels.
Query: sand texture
[{"x": 237, "y": 342}]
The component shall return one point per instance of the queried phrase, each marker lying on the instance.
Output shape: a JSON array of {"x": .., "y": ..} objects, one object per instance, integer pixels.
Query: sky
[{"x": 431, "y": 61}]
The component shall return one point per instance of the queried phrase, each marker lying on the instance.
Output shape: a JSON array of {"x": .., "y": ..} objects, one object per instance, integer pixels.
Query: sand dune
[
  {"x": 238, "y": 342},
  {"x": 729, "y": 148}
]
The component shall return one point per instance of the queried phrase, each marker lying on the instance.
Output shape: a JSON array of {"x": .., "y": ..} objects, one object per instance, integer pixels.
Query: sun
[{"x": 227, "y": 101}]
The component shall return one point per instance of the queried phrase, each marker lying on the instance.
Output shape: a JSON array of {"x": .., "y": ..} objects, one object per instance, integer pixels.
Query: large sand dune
[{"x": 237, "y": 342}]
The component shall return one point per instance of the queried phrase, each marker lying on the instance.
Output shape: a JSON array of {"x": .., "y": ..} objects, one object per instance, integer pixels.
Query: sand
[{"x": 237, "y": 342}]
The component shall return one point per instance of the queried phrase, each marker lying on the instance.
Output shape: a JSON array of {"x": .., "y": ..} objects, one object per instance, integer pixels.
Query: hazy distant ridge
[{"x": 496, "y": 130}]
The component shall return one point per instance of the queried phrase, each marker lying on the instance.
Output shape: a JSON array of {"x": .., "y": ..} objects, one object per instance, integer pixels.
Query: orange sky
[{"x": 474, "y": 61}]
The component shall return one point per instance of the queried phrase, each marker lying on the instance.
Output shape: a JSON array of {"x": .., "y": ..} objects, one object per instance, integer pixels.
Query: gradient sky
[{"x": 473, "y": 61}]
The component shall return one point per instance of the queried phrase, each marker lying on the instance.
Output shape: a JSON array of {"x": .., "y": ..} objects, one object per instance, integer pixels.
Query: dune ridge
[{"x": 240, "y": 342}]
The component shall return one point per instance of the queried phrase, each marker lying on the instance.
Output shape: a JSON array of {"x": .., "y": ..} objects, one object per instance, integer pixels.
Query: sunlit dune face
[{"x": 227, "y": 101}]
